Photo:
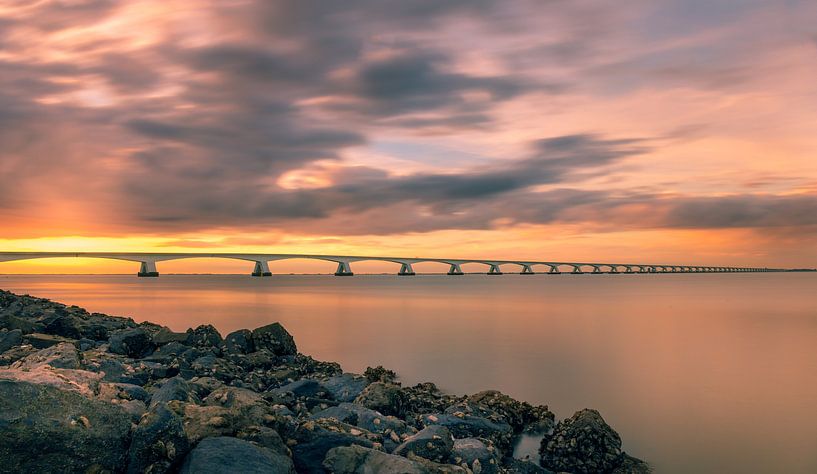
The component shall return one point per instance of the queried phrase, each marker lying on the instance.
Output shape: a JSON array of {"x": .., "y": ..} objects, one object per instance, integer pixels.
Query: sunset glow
[{"x": 667, "y": 132}]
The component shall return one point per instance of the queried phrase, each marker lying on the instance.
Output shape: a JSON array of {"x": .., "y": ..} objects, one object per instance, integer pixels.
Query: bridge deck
[{"x": 147, "y": 261}]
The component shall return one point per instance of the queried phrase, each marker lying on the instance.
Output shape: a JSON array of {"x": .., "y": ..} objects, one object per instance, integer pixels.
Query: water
[{"x": 698, "y": 373}]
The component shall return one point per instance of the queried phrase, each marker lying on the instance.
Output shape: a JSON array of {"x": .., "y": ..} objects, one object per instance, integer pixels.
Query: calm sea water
[{"x": 698, "y": 373}]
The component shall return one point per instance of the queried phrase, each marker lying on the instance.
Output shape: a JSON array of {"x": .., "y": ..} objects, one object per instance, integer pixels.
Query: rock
[
  {"x": 345, "y": 387},
  {"x": 122, "y": 391},
  {"x": 393, "y": 429},
  {"x": 11, "y": 322},
  {"x": 312, "y": 442},
  {"x": 264, "y": 437},
  {"x": 520, "y": 415},
  {"x": 631, "y": 465},
  {"x": 61, "y": 323},
  {"x": 475, "y": 455},
  {"x": 59, "y": 356},
  {"x": 134, "y": 408},
  {"x": 134, "y": 343},
  {"x": 426, "y": 398},
  {"x": 41, "y": 341},
  {"x": 158, "y": 443},
  {"x": 469, "y": 426},
  {"x": 83, "y": 382},
  {"x": 383, "y": 397},
  {"x": 206, "y": 421},
  {"x": 274, "y": 338},
  {"x": 224, "y": 454},
  {"x": 232, "y": 397},
  {"x": 239, "y": 342},
  {"x": 9, "y": 339},
  {"x": 166, "y": 336},
  {"x": 519, "y": 466},
  {"x": 583, "y": 444},
  {"x": 204, "y": 336},
  {"x": 304, "y": 388},
  {"x": 361, "y": 460},
  {"x": 203, "y": 386},
  {"x": 432, "y": 442},
  {"x": 173, "y": 389},
  {"x": 44, "y": 429},
  {"x": 379, "y": 374}
]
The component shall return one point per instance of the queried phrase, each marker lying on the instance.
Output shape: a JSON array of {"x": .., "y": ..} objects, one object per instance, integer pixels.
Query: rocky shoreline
[{"x": 89, "y": 393}]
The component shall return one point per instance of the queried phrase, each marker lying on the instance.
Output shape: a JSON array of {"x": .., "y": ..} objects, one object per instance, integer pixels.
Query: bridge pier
[
  {"x": 527, "y": 270},
  {"x": 577, "y": 270},
  {"x": 597, "y": 269},
  {"x": 261, "y": 269},
  {"x": 554, "y": 270},
  {"x": 343, "y": 270},
  {"x": 147, "y": 269},
  {"x": 455, "y": 269},
  {"x": 494, "y": 270},
  {"x": 406, "y": 270}
]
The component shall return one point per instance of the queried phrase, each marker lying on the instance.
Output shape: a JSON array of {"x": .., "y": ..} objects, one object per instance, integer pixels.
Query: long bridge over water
[{"x": 147, "y": 263}]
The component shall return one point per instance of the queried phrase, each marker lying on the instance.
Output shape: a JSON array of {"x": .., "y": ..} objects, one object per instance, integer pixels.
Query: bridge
[{"x": 147, "y": 263}]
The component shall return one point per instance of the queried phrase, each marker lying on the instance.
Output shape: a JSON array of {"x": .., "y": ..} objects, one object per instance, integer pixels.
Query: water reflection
[{"x": 698, "y": 373}]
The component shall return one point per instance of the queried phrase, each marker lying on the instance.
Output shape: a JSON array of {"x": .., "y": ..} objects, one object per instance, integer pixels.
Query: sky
[{"x": 668, "y": 131}]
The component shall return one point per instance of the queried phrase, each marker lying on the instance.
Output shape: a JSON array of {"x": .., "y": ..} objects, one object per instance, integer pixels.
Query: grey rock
[
  {"x": 41, "y": 341},
  {"x": 239, "y": 342},
  {"x": 308, "y": 454},
  {"x": 204, "y": 336},
  {"x": 476, "y": 455},
  {"x": 134, "y": 343},
  {"x": 9, "y": 339},
  {"x": 304, "y": 388},
  {"x": 361, "y": 460},
  {"x": 345, "y": 387},
  {"x": 519, "y": 466},
  {"x": 393, "y": 429},
  {"x": 45, "y": 429},
  {"x": 432, "y": 442},
  {"x": 231, "y": 455},
  {"x": 274, "y": 338},
  {"x": 61, "y": 356},
  {"x": 158, "y": 443},
  {"x": 386, "y": 398},
  {"x": 582, "y": 444},
  {"x": 469, "y": 426},
  {"x": 173, "y": 389},
  {"x": 166, "y": 336}
]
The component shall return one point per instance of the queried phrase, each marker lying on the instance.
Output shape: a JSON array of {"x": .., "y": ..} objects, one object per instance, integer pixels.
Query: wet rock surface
[
  {"x": 585, "y": 443},
  {"x": 87, "y": 392}
]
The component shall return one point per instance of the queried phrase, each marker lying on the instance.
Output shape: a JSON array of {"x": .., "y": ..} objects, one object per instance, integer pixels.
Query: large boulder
[
  {"x": 392, "y": 429},
  {"x": 274, "y": 338},
  {"x": 44, "y": 429},
  {"x": 224, "y": 454},
  {"x": 204, "y": 336},
  {"x": 476, "y": 455},
  {"x": 345, "y": 387},
  {"x": 313, "y": 444},
  {"x": 9, "y": 339},
  {"x": 361, "y": 460},
  {"x": 432, "y": 442},
  {"x": 239, "y": 342},
  {"x": 173, "y": 389},
  {"x": 522, "y": 416},
  {"x": 59, "y": 356},
  {"x": 470, "y": 426},
  {"x": 134, "y": 343},
  {"x": 384, "y": 397},
  {"x": 582, "y": 444},
  {"x": 158, "y": 442}
]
